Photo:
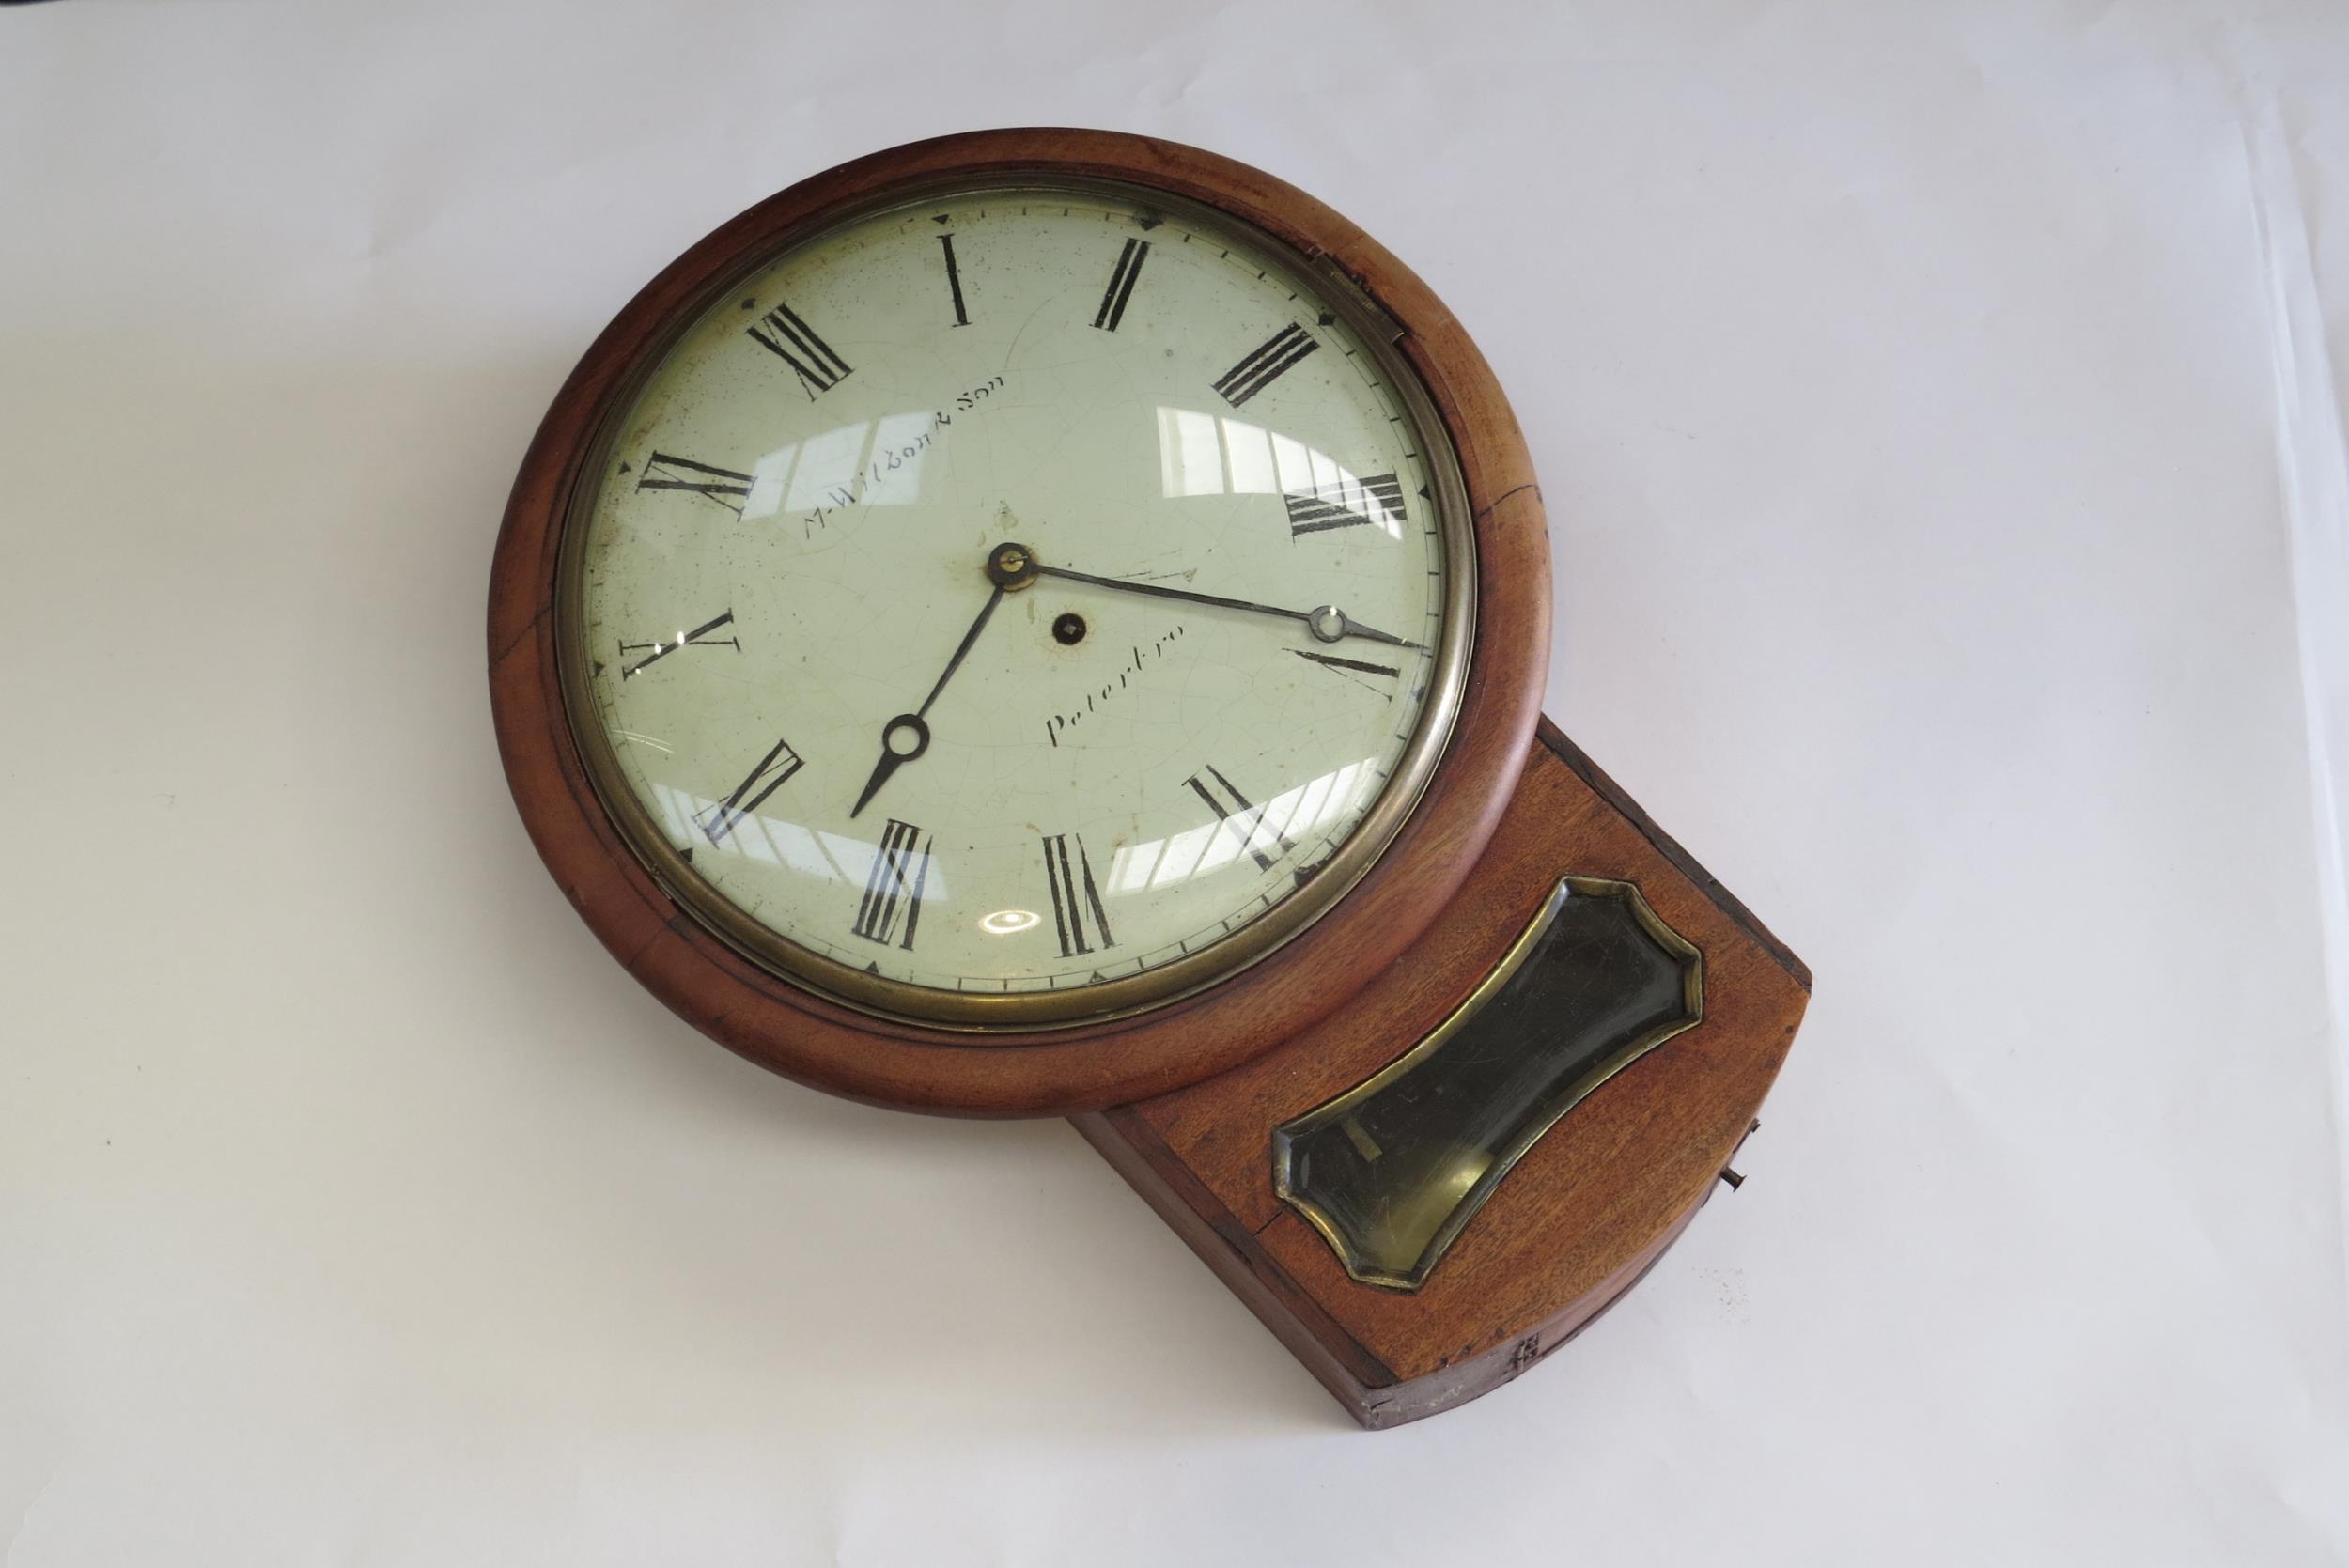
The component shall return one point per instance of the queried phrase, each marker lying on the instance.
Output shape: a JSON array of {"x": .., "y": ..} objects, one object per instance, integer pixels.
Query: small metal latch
[{"x": 1729, "y": 1174}]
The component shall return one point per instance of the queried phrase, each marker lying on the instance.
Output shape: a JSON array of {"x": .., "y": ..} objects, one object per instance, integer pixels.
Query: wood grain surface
[
  {"x": 818, "y": 1041},
  {"x": 1588, "y": 1209}
]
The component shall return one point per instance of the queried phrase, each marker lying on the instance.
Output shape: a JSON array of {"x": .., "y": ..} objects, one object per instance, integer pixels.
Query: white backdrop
[{"x": 1937, "y": 409}]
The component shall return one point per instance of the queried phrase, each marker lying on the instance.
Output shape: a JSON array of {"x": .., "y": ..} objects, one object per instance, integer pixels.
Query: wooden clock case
[
  {"x": 1190, "y": 1100},
  {"x": 825, "y": 1043},
  {"x": 1596, "y": 1199}
]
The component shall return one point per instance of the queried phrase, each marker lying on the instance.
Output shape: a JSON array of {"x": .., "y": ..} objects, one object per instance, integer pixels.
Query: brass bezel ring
[{"x": 1029, "y": 1010}]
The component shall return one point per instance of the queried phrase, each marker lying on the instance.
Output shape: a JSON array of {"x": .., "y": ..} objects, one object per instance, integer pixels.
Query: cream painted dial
[{"x": 1029, "y": 593}]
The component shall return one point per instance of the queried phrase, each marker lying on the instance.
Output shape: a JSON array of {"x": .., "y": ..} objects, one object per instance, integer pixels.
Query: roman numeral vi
[{"x": 1237, "y": 814}]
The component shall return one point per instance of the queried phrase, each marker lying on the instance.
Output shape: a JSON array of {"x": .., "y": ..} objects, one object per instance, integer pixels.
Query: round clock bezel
[
  {"x": 814, "y": 1019},
  {"x": 982, "y": 1013}
]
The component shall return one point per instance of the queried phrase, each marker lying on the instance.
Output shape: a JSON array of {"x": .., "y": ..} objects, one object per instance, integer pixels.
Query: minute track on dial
[{"x": 873, "y": 534}]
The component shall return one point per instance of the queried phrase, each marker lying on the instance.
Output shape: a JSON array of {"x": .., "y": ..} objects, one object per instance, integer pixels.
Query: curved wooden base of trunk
[{"x": 1569, "y": 1192}]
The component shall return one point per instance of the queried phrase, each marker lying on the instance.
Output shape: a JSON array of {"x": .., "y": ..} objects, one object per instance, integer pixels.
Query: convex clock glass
[
  {"x": 1077, "y": 597},
  {"x": 1022, "y": 604}
]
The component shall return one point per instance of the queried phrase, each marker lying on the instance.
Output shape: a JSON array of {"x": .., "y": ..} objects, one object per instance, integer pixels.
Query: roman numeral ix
[
  {"x": 1121, "y": 287},
  {"x": 898, "y": 872},
  {"x": 1275, "y": 357},
  {"x": 1346, "y": 503},
  {"x": 781, "y": 333},
  {"x": 1074, "y": 896},
  {"x": 777, "y": 766},
  {"x": 700, "y": 637},
  {"x": 721, "y": 485},
  {"x": 1244, "y": 819}
]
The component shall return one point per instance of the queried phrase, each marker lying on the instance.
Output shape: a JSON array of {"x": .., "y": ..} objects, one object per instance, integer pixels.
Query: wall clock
[{"x": 1054, "y": 622}]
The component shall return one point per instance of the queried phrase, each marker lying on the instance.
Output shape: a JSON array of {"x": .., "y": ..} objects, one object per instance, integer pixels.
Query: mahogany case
[{"x": 1595, "y": 1198}]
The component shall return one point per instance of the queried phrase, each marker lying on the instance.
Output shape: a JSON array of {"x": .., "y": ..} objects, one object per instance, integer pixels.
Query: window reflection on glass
[
  {"x": 1211, "y": 846},
  {"x": 827, "y": 468},
  {"x": 1135, "y": 759},
  {"x": 1159, "y": 863},
  {"x": 1202, "y": 453},
  {"x": 870, "y": 463}
]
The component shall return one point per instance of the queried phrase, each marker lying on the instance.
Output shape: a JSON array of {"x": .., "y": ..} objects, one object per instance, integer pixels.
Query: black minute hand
[{"x": 1326, "y": 622}]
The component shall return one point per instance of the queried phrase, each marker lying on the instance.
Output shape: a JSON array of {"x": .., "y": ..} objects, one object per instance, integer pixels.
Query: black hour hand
[
  {"x": 908, "y": 735},
  {"x": 903, "y": 738}
]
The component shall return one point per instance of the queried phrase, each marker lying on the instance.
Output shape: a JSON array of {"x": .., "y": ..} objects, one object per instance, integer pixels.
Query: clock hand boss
[
  {"x": 1008, "y": 566},
  {"x": 1327, "y": 622}
]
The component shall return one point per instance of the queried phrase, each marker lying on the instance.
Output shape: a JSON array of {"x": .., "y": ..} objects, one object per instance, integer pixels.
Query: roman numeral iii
[
  {"x": 1347, "y": 502},
  {"x": 1275, "y": 357},
  {"x": 773, "y": 768},
  {"x": 781, "y": 333},
  {"x": 1075, "y": 898},
  {"x": 723, "y": 486},
  {"x": 1121, "y": 287},
  {"x": 894, "y": 885},
  {"x": 1243, "y": 818}
]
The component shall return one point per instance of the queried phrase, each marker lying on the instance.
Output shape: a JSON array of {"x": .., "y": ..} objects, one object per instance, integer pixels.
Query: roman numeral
[
  {"x": 1121, "y": 287},
  {"x": 1346, "y": 503},
  {"x": 1073, "y": 895},
  {"x": 781, "y": 333},
  {"x": 1349, "y": 667},
  {"x": 954, "y": 279},
  {"x": 898, "y": 873},
  {"x": 778, "y": 765},
  {"x": 721, "y": 485},
  {"x": 1272, "y": 359},
  {"x": 698, "y": 638},
  {"x": 1243, "y": 818}
]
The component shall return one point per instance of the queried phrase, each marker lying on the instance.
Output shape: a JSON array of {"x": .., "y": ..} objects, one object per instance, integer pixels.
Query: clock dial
[{"x": 1038, "y": 594}]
